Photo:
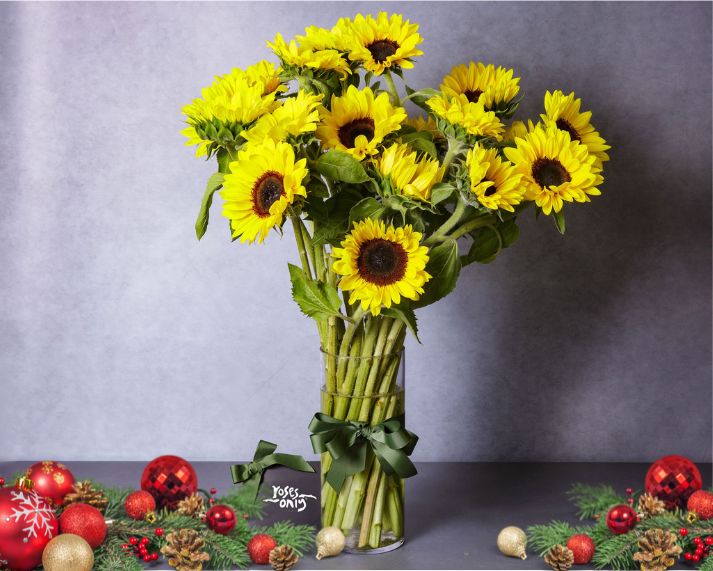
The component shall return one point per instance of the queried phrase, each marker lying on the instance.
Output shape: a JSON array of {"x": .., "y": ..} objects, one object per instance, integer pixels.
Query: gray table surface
[{"x": 454, "y": 511}]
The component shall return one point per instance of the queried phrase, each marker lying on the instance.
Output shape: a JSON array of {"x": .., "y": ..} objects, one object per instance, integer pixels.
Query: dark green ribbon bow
[
  {"x": 348, "y": 443},
  {"x": 265, "y": 457}
]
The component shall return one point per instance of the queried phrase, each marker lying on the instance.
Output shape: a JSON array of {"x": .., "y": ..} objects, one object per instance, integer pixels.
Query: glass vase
[{"x": 369, "y": 508}]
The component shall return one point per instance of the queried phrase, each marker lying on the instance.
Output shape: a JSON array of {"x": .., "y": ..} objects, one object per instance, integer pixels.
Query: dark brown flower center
[
  {"x": 382, "y": 49},
  {"x": 266, "y": 191},
  {"x": 473, "y": 95},
  {"x": 549, "y": 172},
  {"x": 382, "y": 262},
  {"x": 564, "y": 125},
  {"x": 349, "y": 132},
  {"x": 490, "y": 190}
]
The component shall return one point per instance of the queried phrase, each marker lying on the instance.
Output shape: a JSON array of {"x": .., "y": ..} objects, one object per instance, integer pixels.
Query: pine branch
[
  {"x": 707, "y": 564},
  {"x": 116, "y": 497},
  {"x": 593, "y": 500},
  {"x": 617, "y": 552},
  {"x": 227, "y": 551},
  {"x": 240, "y": 500},
  {"x": 111, "y": 557},
  {"x": 541, "y": 538}
]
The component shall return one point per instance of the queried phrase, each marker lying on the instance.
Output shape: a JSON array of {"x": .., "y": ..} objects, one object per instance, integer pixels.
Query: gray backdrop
[{"x": 123, "y": 337}]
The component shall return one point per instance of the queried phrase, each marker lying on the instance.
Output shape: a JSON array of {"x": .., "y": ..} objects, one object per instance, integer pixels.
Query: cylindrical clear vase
[{"x": 369, "y": 508}]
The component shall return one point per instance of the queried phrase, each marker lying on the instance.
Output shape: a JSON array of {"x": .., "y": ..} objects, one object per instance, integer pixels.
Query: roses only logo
[{"x": 289, "y": 498}]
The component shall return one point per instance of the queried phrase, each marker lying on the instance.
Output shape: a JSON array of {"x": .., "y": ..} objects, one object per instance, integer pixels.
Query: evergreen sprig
[
  {"x": 617, "y": 552},
  {"x": 541, "y": 538},
  {"x": 241, "y": 501},
  {"x": 299, "y": 537},
  {"x": 592, "y": 500}
]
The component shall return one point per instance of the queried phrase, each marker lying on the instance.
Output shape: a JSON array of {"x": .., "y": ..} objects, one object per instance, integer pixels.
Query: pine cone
[
  {"x": 192, "y": 505},
  {"x": 184, "y": 550},
  {"x": 658, "y": 550},
  {"x": 560, "y": 558},
  {"x": 650, "y": 506},
  {"x": 283, "y": 558},
  {"x": 85, "y": 493}
]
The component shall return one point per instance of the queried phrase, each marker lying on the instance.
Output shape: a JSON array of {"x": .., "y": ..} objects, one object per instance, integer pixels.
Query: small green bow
[
  {"x": 348, "y": 443},
  {"x": 265, "y": 457}
]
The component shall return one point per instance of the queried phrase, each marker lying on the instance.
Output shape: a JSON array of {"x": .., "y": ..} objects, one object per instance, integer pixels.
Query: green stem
[
  {"x": 395, "y": 99},
  {"x": 471, "y": 225},
  {"x": 299, "y": 239},
  {"x": 448, "y": 224}
]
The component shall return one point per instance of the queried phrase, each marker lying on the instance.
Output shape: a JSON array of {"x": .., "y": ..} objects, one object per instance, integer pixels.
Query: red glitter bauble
[
  {"x": 673, "y": 479},
  {"x": 138, "y": 505},
  {"x": 583, "y": 548},
  {"x": 51, "y": 480},
  {"x": 621, "y": 518},
  {"x": 27, "y": 524},
  {"x": 85, "y": 521},
  {"x": 169, "y": 479},
  {"x": 221, "y": 519},
  {"x": 259, "y": 548},
  {"x": 701, "y": 503}
]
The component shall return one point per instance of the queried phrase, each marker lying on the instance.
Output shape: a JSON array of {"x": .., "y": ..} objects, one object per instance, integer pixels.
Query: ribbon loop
[
  {"x": 265, "y": 457},
  {"x": 348, "y": 443}
]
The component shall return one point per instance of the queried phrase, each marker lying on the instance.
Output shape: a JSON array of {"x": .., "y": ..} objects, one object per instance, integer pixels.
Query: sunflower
[
  {"x": 493, "y": 87},
  {"x": 230, "y": 102},
  {"x": 409, "y": 175},
  {"x": 261, "y": 185},
  {"x": 317, "y": 39},
  {"x": 296, "y": 116},
  {"x": 473, "y": 117},
  {"x": 514, "y": 130},
  {"x": 425, "y": 124},
  {"x": 383, "y": 42},
  {"x": 379, "y": 264},
  {"x": 358, "y": 122},
  {"x": 304, "y": 56},
  {"x": 563, "y": 110},
  {"x": 554, "y": 168},
  {"x": 493, "y": 180}
]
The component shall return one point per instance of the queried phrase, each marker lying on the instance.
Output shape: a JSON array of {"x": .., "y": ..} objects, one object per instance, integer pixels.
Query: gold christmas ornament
[
  {"x": 512, "y": 542},
  {"x": 330, "y": 542},
  {"x": 68, "y": 552},
  {"x": 559, "y": 558}
]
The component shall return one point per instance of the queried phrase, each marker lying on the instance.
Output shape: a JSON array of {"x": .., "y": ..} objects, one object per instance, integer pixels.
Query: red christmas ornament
[
  {"x": 259, "y": 548},
  {"x": 51, "y": 480},
  {"x": 701, "y": 503},
  {"x": 169, "y": 479},
  {"x": 85, "y": 521},
  {"x": 138, "y": 505},
  {"x": 583, "y": 548},
  {"x": 621, "y": 518},
  {"x": 673, "y": 479},
  {"x": 27, "y": 524},
  {"x": 221, "y": 519}
]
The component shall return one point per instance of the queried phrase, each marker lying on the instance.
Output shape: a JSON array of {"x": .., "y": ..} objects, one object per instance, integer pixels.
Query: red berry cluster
[
  {"x": 139, "y": 546},
  {"x": 703, "y": 547}
]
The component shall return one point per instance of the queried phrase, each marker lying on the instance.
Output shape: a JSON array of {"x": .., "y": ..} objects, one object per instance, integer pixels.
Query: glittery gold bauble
[
  {"x": 68, "y": 552},
  {"x": 330, "y": 542},
  {"x": 512, "y": 542}
]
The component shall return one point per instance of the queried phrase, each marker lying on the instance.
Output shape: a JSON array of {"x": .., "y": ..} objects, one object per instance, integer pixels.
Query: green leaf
[
  {"x": 368, "y": 207},
  {"x": 214, "y": 183},
  {"x": 405, "y": 314},
  {"x": 316, "y": 187},
  {"x": 337, "y": 165},
  {"x": 509, "y": 232},
  {"x": 558, "y": 219},
  {"x": 420, "y": 97},
  {"x": 444, "y": 266},
  {"x": 421, "y": 141},
  {"x": 316, "y": 299},
  {"x": 440, "y": 192},
  {"x": 485, "y": 247}
]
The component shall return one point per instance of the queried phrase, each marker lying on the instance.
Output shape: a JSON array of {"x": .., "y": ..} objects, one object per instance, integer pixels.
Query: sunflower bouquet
[{"x": 387, "y": 205}]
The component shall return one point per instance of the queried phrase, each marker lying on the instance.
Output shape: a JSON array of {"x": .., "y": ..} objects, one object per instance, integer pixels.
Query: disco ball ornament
[
  {"x": 673, "y": 479},
  {"x": 621, "y": 519},
  {"x": 169, "y": 479}
]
